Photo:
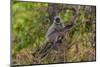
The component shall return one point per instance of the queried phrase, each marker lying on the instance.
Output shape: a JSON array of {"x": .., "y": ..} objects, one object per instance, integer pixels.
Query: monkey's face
[{"x": 57, "y": 20}]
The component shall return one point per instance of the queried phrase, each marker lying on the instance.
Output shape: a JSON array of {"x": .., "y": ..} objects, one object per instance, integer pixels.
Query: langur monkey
[
  {"x": 54, "y": 30},
  {"x": 51, "y": 37}
]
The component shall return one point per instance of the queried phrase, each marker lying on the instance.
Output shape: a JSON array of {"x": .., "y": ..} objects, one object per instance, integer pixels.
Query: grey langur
[
  {"x": 51, "y": 37},
  {"x": 54, "y": 30}
]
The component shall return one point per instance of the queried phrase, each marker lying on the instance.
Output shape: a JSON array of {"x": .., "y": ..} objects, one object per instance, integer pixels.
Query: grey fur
[{"x": 54, "y": 30}]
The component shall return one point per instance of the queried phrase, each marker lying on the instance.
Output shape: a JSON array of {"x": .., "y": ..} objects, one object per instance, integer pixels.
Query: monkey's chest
[{"x": 52, "y": 37}]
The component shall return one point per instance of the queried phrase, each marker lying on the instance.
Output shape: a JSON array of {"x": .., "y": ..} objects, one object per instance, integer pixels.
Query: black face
[{"x": 57, "y": 20}]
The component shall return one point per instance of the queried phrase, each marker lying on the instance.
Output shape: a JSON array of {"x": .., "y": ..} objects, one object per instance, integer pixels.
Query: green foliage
[{"x": 28, "y": 27}]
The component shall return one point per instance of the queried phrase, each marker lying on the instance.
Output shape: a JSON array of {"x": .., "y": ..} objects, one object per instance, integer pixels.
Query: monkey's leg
[{"x": 57, "y": 42}]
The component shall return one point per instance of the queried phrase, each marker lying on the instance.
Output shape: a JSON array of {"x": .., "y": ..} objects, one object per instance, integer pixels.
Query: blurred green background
[{"x": 30, "y": 22}]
